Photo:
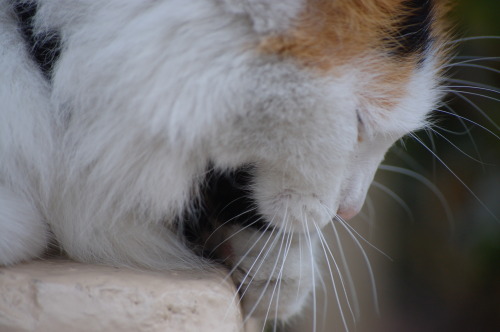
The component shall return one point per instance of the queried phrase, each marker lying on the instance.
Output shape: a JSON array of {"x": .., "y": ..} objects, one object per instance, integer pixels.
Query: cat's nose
[{"x": 347, "y": 213}]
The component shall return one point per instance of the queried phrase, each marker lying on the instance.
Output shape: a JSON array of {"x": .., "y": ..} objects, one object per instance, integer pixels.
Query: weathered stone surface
[{"x": 60, "y": 295}]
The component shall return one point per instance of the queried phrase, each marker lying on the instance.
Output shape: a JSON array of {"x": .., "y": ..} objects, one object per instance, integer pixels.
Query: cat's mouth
[{"x": 226, "y": 209}]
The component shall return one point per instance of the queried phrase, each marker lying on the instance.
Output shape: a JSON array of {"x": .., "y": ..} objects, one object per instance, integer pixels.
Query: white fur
[
  {"x": 23, "y": 233},
  {"x": 144, "y": 96},
  {"x": 267, "y": 16},
  {"x": 26, "y": 141}
]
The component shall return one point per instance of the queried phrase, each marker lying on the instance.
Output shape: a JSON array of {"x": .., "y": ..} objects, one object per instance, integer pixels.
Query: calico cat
[{"x": 169, "y": 134}]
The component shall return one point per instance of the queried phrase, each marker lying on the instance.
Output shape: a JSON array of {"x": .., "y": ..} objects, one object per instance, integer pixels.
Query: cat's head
[
  {"x": 323, "y": 88},
  {"x": 316, "y": 92}
]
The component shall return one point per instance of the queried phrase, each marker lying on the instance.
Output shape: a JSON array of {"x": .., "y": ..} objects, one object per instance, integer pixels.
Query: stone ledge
[{"x": 61, "y": 295}]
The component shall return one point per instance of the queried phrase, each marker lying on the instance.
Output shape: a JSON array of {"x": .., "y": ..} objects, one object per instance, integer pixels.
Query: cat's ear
[{"x": 267, "y": 15}]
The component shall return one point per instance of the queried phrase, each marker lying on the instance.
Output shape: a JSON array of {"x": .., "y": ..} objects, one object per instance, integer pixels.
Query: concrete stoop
[{"x": 61, "y": 295}]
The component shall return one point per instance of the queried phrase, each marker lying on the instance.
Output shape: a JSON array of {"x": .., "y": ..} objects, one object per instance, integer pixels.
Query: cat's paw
[{"x": 273, "y": 270}]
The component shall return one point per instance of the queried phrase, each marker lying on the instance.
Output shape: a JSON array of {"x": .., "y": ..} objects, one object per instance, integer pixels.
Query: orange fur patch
[
  {"x": 331, "y": 33},
  {"x": 388, "y": 84}
]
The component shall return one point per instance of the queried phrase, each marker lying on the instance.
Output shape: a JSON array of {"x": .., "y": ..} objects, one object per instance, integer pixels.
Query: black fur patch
[
  {"x": 228, "y": 198},
  {"x": 44, "y": 48},
  {"x": 225, "y": 200},
  {"x": 414, "y": 34}
]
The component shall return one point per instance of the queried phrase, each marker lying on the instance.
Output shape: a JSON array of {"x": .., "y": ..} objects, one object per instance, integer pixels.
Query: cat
[{"x": 169, "y": 134}]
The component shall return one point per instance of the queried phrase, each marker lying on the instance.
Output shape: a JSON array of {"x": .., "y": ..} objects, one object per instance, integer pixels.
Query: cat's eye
[{"x": 361, "y": 126}]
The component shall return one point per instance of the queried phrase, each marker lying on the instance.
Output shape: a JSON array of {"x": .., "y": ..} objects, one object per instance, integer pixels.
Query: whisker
[
  {"x": 254, "y": 307},
  {"x": 227, "y": 221},
  {"x": 471, "y": 84},
  {"x": 249, "y": 249},
  {"x": 280, "y": 234},
  {"x": 396, "y": 198},
  {"x": 346, "y": 226},
  {"x": 477, "y": 108},
  {"x": 370, "y": 216},
  {"x": 325, "y": 298},
  {"x": 474, "y": 94},
  {"x": 325, "y": 247},
  {"x": 233, "y": 269},
  {"x": 470, "y": 121},
  {"x": 265, "y": 289},
  {"x": 457, "y": 177},
  {"x": 472, "y": 65},
  {"x": 458, "y": 149},
  {"x": 268, "y": 250},
  {"x": 364, "y": 239},
  {"x": 268, "y": 281},
  {"x": 433, "y": 147},
  {"x": 422, "y": 179},
  {"x": 473, "y": 58},
  {"x": 348, "y": 271},
  {"x": 228, "y": 205},
  {"x": 280, "y": 276},
  {"x": 309, "y": 244},
  {"x": 407, "y": 159},
  {"x": 233, "y": 234},
  {"x": 300, "y": 267},
  {"x": 473, "y": 87},
  {"x": 203, "y": 175},
  {"x": 467, "y": 130},
  {"x": 467, "y": 39}
]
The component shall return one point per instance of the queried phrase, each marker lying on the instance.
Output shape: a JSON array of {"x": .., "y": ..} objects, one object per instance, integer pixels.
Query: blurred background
[{"x": 439, "y": 222}]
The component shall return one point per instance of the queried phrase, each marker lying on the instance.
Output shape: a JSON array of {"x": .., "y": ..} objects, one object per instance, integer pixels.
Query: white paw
[{"x": 273, "y": 270}]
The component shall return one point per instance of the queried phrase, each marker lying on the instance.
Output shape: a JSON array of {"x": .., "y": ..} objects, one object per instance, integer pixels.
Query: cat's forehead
[
  {"x": 378, "y": 45},
  {"x": 328, "y": 33}
]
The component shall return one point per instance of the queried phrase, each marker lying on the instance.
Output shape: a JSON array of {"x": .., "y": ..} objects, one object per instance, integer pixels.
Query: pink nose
[{"x": 347, "y": 213}]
